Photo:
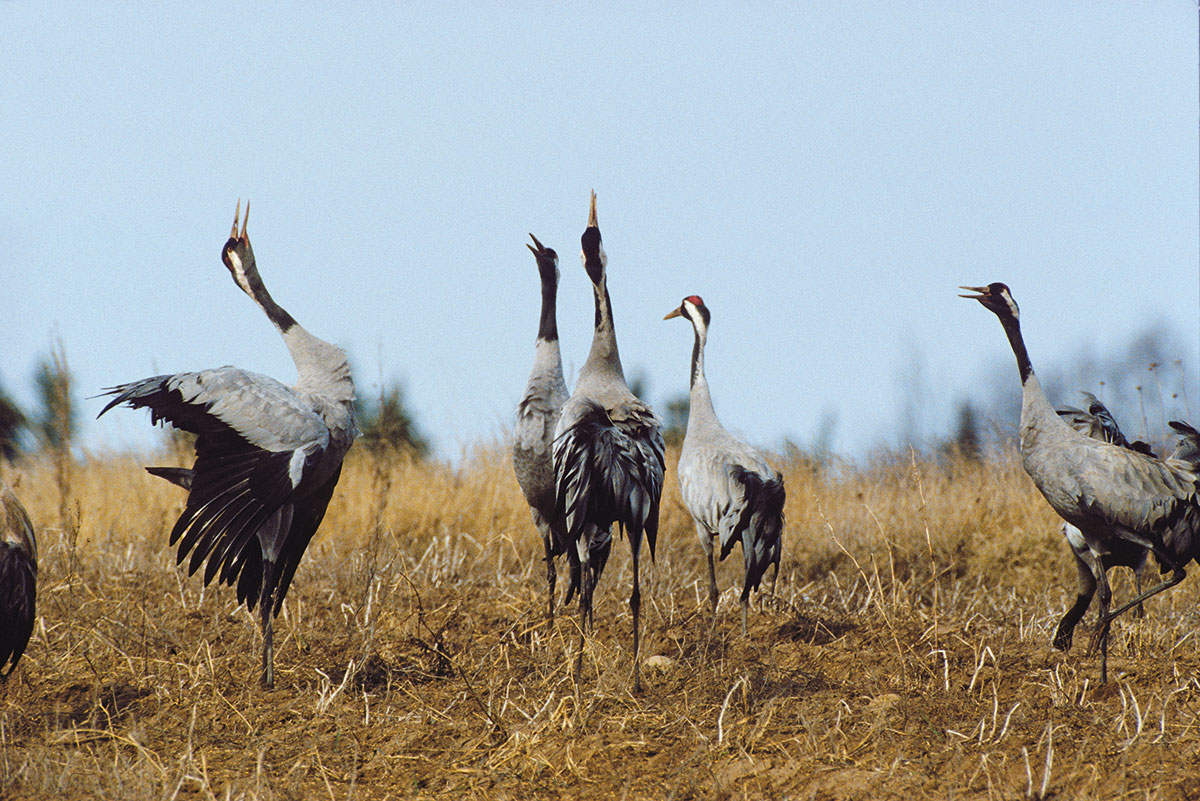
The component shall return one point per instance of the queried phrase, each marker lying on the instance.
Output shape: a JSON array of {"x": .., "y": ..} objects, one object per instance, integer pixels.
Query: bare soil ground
[{"x": 904, "y": 653}]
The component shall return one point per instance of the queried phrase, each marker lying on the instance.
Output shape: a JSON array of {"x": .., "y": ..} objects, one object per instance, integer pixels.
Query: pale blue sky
[{"x": 825, "y": 177}]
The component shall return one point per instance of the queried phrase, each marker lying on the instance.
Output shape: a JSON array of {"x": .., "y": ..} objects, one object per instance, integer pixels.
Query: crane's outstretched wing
[{"x": 257, "y": 444}]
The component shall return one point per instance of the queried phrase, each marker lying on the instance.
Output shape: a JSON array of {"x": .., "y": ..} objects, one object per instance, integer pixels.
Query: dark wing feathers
[
  {"x": 306, "y": 519},
  {"x": 231, "y": 498},
  {"x": 18, "y": 599},
  {"x": 241, "y": 498},
  {"x": 165, "y": 403},
  {"x": 759, "y": 525},
  {"x": 179, "y": 476},
  {"x": 609, "y": 472}
]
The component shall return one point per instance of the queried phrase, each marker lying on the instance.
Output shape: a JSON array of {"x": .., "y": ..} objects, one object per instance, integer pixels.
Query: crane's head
[
  {"x": 592, "y": 248},
  {"x": 547, "y": 259},
  {"x": 996, "y": 298},
  {"x": 237, "y": 254},
  {"x": 692, "y": 308}
]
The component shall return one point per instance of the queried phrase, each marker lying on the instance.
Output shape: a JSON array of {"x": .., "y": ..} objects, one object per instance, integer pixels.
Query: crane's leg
[
  {"x": 267, "y": 607},
  {"x": 1177, "y": 576},
  {"x": 1138, "y": 572},
  {"x": 635, "y": 605},
  {"x": 745, "y": 610},
  {"x": 585, "y": 600},
  {"x": 551, "y": 575},
  {"x": 712, "y": 585},
  {"x": 599, "y": 544},
  {"x": 706, "y": 543},
  {"x": 1103, "y": 623},
  {"x": 1087, "y": 588}
]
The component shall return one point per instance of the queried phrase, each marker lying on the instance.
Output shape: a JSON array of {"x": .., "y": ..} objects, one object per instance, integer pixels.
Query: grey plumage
[
  {"x": 608, "y": 454},
  {"x": 18, "y": 579},
  {"x": 267, "y": 456},
  {"x": 1098, "y": 423},
  {"x": 537, "y": 418},
  {"x": 1119, "y": 499},
  {"x": 728, "y": 487}
]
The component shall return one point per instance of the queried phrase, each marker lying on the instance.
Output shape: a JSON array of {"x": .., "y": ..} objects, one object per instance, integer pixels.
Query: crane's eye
[{"x": 230, "y": 257}]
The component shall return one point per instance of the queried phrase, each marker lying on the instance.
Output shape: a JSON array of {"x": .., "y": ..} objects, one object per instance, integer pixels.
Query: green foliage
[
  {"x": 675, "y": 419},
  {"x": 966, "y": 441},
  {"x": 55, "y": 420},
  {"x": 387, "y": 424},
  {"x": 12, "y": 423}
]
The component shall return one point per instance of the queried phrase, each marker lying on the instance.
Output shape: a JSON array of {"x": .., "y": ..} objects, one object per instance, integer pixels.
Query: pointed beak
[
  {"x": 532, "y": 249},
  {"x": 981, "y": 292},
  {"x": 592, "y": 212},
  {"x": 674, "y": 313},
  {"x": 236, "y": 215},
  {"x": 245, "y": 220}
]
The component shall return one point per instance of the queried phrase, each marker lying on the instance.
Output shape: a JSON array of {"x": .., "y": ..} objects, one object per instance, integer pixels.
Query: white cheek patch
[
  {"x": 296, "y": 467},
  {"x": 234, "y": 260}
]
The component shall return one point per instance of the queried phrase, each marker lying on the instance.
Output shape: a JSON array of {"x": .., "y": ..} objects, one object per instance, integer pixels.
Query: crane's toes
[{"x": 1062, "y": 639}]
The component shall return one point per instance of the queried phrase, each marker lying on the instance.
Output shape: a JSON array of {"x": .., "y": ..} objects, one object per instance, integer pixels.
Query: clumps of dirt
[
  {"x": 815, "y": 630},
  {"x": 414, "y": 661},
  {"x": 83, "y": 704}
]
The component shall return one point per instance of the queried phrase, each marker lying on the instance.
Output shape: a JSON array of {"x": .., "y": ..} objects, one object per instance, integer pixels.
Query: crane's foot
[{"x": 1062, "y": 638}]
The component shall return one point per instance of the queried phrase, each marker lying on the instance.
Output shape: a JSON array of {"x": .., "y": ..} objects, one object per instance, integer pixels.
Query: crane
[
  {"x": 18, "y": 579},
  {"x": 608, "y": 454},
  {"x": 537, "y": 417},
  {"x": 727, "y": 486},
  {"x": 1096, "y": 422},
  {"x": 1120, "y": 499},
  {"x": 1187, "y": 448},
  {"x": 268, "y": 456}
]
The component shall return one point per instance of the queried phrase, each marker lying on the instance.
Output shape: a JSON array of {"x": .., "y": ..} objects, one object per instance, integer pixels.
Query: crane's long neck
[
  {"x": 603, "y": 355},
  {"x": 548, "y": 322},
  {"x": 700, "y": 401},
  {"x": 253, "y": 285},
  {"x": 1012, "y": 328},
  {"x": 321, "y": 368},
  {"x": 1037, "y": 414},
  {"x": 547, "y": 360}
]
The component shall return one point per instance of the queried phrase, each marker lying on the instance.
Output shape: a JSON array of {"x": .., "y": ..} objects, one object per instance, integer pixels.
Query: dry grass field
[{"x": 904, "y": 654}]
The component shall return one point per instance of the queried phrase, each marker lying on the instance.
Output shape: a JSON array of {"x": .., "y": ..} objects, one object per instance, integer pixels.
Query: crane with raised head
[
  {"x": 608, "y": 454},
  {"x": 729, "y": 488},
  {"x": 1121, "y": 500},
  {"x": 267, "y": 455},
  {"x": 537, "y": 417},
  {"x": 18, "y": 579}
]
